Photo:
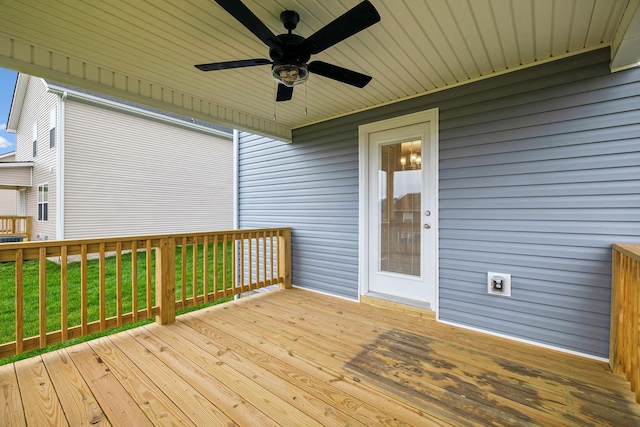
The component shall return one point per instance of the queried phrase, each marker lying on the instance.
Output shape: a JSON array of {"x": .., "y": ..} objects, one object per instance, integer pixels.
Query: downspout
[{"x": 60, "y": 168}]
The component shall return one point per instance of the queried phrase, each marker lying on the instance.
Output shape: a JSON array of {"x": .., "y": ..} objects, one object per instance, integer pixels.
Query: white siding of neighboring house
[
  {"x": 36, "y": 107},
  {"x": 8, "y": 198},
  {"x": 125, "y": 175}
]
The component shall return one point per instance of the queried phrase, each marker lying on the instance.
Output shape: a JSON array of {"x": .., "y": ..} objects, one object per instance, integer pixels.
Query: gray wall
[
  {"x": 312, "y": 187},
  {"x": 539, "y": 175}
]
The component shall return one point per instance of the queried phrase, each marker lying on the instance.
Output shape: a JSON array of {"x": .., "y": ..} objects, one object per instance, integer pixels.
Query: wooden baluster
[
  {"x": 64, "y": 294},
  {"x": 149, "y": 280},
  {"x": 83, "y": 290},
  {"x": 166, "y": 280},
  {"x": 272, "y": 259},
  {"x": 635, "y": 279},
  {"x": 234, "y": 275},
  {"x": 205, "y": 269},
  {"x": 224, "y": 266},
  {"x": 633, "y": 320},
  {"x": 19, "y": 302},
  {"x": 194, "y": 270},
  {"x": 184, "y": 272},
  {"x": 252, "y": 285},
  {"x": 134, "y": 280},
  {"x": 243, "y": 285},
  {"x": 216, "y": 247},
  {"x": 278, "y": 266},
  {"x": 264, "y": 259},
  {"x": 103, "y": 288},
  {"x": 624, "y": 312},
  {"x": 119, "y": 283},
  {"x": 42, "y": 269}
]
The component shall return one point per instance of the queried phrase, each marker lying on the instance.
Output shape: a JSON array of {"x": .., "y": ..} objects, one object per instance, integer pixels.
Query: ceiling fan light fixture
[{"x": 290, "y": 74}]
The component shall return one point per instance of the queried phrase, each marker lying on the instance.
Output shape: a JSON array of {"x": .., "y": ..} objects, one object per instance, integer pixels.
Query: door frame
[{"x": 431, "y": 116}]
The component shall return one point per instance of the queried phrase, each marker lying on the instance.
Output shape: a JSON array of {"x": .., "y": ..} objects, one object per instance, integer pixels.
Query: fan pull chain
[
  {"x": 306, "y": 112},
  {"x": 275, "y": 93}
]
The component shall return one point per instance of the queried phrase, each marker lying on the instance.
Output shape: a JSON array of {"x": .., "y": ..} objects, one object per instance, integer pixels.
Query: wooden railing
[
  {"x": 71, "y": 288},
  {"x": 625, "y": 317},
  {"x": 15, "y": 226}
]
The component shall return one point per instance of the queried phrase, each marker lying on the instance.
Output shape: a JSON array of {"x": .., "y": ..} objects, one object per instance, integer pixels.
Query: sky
[{"x": 7, "y": 82}]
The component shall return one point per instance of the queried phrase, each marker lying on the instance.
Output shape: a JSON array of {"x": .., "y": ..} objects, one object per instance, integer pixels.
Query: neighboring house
[
  {"x": 102, "y": 167},
  {"x": 8, "y": 194}
]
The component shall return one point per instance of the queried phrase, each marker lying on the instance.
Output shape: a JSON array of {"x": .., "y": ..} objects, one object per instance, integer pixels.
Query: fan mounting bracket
[{"x": 290, "y": 19}]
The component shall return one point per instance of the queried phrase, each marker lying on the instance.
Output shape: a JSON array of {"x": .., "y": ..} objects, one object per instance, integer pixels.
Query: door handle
[{"x": 427, "y": 226}]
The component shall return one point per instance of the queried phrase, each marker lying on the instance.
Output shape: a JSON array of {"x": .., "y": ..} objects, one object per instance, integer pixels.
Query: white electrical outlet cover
[{"x": 506, "y": 285}]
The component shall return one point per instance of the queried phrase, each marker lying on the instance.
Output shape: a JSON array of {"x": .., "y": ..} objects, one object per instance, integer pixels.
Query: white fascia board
[
  {"x": 130, "y": 109},
  {"x": 19, "y": 92},
  {"x": 5, "y": 155},
  {"x": 7, "y": 165}
]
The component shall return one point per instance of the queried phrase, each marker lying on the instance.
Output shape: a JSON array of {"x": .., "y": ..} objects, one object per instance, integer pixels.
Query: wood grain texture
[
  {"x": 11, "y": 408},
  {"x": 119, "y": 407},
  {"x": 293, "y": 357},
  {"x": 77, "y": 401},
  {"x": 41, "y": 404}
]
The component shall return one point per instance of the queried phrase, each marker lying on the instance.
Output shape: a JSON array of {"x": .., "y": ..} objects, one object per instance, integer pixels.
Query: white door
[{"x": 401, "y": 211}]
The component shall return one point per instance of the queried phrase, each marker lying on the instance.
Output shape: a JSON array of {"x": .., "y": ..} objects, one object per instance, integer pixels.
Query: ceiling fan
[{"x": 290, "y": 52}]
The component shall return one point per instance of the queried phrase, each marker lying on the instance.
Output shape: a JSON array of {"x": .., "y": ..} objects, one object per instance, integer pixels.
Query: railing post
[
  {"x": 284, "y": 257},
  {"x": 166, "y": 280}
]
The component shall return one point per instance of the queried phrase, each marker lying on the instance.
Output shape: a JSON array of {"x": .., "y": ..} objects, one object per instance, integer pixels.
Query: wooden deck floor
[{"x": 295, "y": 358}]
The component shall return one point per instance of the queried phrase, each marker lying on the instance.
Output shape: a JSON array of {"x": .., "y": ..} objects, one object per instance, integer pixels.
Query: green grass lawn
[{"x": 31, "y": 287}]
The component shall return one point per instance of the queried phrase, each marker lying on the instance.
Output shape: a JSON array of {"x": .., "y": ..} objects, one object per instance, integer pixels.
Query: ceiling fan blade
[
  {"x": 243, "y": 14},
  {"x": 214, "y": 66},
  {"x": 340, "y": 74},
  {"x": 284, "y": 93},
  {"x": 353, "y": 21}
]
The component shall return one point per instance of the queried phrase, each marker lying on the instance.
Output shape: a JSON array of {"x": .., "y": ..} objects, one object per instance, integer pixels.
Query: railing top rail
[
  {"x": 630, "y": 250},
  {"x": 13, "y": 217},
  {"x": 52, "y": 247}
]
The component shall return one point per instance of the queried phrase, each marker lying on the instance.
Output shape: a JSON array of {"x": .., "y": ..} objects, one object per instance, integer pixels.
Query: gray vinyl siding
[
  {"x": 36, "y": 108},
  {"x": 539, "y": 174},
  {"x": 126, "y": 175},
  {"x": 312, "y": 187}
]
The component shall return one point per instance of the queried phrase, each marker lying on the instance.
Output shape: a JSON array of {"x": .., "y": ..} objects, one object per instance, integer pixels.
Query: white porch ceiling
[{"x": 144, "y": 51}]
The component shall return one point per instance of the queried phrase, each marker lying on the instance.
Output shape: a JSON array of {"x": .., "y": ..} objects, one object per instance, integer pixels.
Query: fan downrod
[{"x": 290, "y": 19}]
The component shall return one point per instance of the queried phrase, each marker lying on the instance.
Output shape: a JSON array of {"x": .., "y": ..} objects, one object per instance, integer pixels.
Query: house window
[
  {"x": 52, "y": 128},
  {"x": 35, "y": 139},
  {"x": 43, "y": 202}
]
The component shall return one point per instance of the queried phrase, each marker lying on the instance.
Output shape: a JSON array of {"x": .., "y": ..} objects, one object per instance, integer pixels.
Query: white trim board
[{"x": 522, "y": 340}]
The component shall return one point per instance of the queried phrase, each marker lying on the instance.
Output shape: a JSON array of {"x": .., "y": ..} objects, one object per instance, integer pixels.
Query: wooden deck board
[
  {"x": 78, "y": 403},
  {"x": 292, "y": 357},
  {"x": 10, "y": 400},
  {"x": 483, "y": 377}
]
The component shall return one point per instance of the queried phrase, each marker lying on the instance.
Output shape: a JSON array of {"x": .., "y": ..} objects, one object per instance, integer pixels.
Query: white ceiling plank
[
  {"x": 542, "y": 26},
  {"x": 523, "y": 18},
  {"x": 583, "y": 15},
  {"x": 483, "y": 14},
  {"x": 503, "y": 16}
]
